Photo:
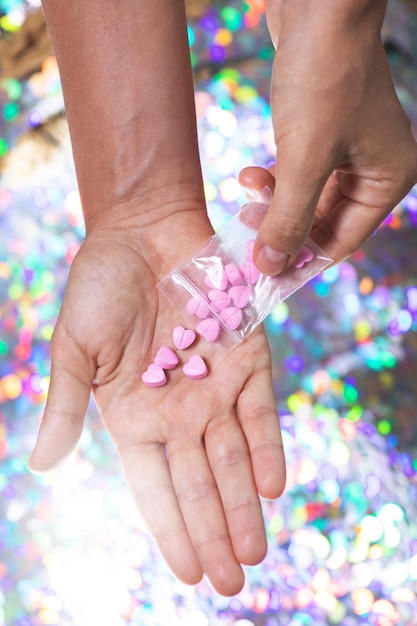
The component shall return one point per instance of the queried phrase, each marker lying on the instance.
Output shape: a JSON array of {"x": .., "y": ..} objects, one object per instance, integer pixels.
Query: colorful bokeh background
[{"x": 343, "y": 537}]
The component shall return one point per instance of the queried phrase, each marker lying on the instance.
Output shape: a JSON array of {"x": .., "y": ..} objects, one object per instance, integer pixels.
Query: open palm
[{"x": 196, "y": 453}]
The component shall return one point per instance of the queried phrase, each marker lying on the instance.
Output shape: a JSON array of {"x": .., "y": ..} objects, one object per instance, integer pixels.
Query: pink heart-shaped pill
[
  {"x": 166, "y": 358},
  {"x": 232, "y": 316},
  {"x": 304, "y": 256},
  {"x": 197, "y": 306},
  {"x": 240, "y": 295},
  {"x": 182, "y": 337},
  {"x": 195, "y": 368},
  {"x": 249, "y": 245},
  {"x": 217, "y": 279},
  {"x": 209, "y": 329},
  {"x": 233, "y": 274},
  {"x": 154, "y": 376},
  {"x": 250, "y": 272},
  {"x": 219, "y": 299}
]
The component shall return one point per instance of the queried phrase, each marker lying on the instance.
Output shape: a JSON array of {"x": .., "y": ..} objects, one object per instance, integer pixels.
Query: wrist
[
  {"x": 143, "y": 198},
  {"x": 169, "y": 232}
]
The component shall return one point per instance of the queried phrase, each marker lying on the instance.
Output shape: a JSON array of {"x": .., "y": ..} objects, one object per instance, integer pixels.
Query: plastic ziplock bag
[{"x": 219, "y": 289}]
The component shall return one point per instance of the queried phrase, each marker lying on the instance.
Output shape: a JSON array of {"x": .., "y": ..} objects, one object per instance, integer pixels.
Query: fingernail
[{"x": 271, "y": 261}]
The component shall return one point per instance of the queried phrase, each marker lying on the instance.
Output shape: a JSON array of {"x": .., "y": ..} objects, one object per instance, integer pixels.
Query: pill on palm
[
  {"x": 182, "y": 337},
  {"x": 219, "y": 299},
  {"x": 198, "y": 307},
  {"x": 249, "y": 245},
  {"x": 250, "y": 272},
  {"x": 233, "y": 274},
  {"x": 209, "y": 329},
  {"x": 240, "y": 295},
  {"x": 232, "y": 315},
  {"x": 166, "y": 358},
  {"x": 154, "y": 376},
  {"x": 195, "y": 368},
  {"x": 304, "y": 256}
]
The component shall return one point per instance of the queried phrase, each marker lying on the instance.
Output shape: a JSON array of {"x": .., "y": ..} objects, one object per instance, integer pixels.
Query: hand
[
  {"x": 195, "y": 453},
  {"x": 345, "y": 152}
]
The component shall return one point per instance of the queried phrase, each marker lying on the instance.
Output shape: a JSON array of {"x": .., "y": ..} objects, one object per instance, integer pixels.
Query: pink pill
[
  {"x": 219, "y": 299},
  {"x": 232, "y": 316},
  {"x": 195, "y": 368},
  {"x": 250, "y": 272},
  {"x": 209, "y": 329},
  {"x": 249, "y": 245},
  {"x": 182, "y": 337},
  {"x": 217, "y": 280},
  {"x": 154, "y": 376},
  {"x": 198, "y": 307},
  {"x": 166, "y": 358},
  {"x": 240, "y": 295},
  {"x": 304, "y": 256},
  {"x": 233, "y": 274}
]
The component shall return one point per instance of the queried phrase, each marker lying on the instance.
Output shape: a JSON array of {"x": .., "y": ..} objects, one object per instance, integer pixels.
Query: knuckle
[
  {"x": 196, "y": 492},
  {"x": 405, "y": 169},
  {"x": 56, "y": 339},
  {"x": 248, "y": 506},
  {"x": 61, "y": 340},
  {"x": 71, "y": 418},
  {"x": 231, "y": 458},
  {"x": 286, "y": 234},
  {"x": 260, "y": 413},
  {"x": 153, "y": 494},
  {"x": 210, "y": 540}
]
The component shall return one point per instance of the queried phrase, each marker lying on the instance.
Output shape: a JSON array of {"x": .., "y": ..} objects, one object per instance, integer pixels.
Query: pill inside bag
[{"x": 226, "y": 254}]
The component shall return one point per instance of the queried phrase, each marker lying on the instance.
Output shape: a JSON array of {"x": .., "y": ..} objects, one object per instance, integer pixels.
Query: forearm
[
  {"x": 129, "y": 101},
  {"x": 328, "y": 51}
]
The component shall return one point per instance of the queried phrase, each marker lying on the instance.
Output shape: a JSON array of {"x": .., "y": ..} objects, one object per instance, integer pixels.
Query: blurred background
[{"x": 343, "y": 537}]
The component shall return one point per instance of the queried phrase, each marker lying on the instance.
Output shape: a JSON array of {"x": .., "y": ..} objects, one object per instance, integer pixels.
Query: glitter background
[{"x": 343, "y": 537}]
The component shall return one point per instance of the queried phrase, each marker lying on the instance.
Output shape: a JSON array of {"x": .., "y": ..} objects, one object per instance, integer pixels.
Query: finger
[
  {"x": 253, "y": 179},
  {"x": 66, "y": 407},
  {"x": 346, "y": 227},
  {"x": 259, "y": 420},
  {"x": 203, "y": 514},
  {"x": 330, "y": 197},
  {"x": 230, "y": 461},
  {"x": 149, "y": 479},
  {"x": 287, "y": 224}
]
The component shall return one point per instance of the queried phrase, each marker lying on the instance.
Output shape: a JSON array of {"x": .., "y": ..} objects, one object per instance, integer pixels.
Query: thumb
[
  {"x": 289, "y": 220},
  {"x": 65, "y": 410}
]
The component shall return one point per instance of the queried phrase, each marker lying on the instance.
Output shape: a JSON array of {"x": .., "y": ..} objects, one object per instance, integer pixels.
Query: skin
[
  {"x": 345, "y": 152},
  {"x": 194, "y": 452},
  {"x": 197, "y": 454}
]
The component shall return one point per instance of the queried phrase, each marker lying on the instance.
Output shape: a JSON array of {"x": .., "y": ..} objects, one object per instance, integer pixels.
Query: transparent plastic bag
[{"x": 219, "y": 289}]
